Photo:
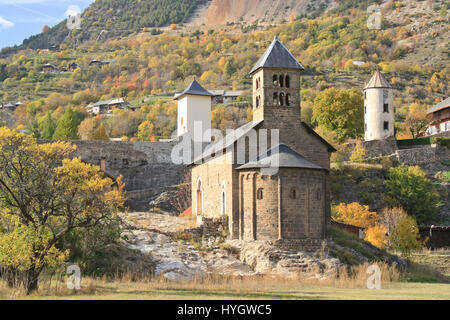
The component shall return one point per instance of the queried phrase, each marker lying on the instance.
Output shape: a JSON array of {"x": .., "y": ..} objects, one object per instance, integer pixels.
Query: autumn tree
[
  {"x": 406, "y": 237},
  {"x": 146, "y": 131},
  {"x": 341, "y": 111},
  {"x": 416, "y": 121},
  {"x": 355, "y": 214},
  {"x": 44, "y": 195},
  {"x": 100, "y": 133},
  {"x": 87, "y": 128}
]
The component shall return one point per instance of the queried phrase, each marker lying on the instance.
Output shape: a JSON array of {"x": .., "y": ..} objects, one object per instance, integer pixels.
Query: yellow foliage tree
[
  {"x": 355, "y": 214},
  {"x": 376, "y": 235},
  {"x": 46, "y": 195}
]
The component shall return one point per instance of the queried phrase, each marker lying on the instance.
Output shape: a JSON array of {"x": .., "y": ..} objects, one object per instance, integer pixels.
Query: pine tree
[
  {"x": 48, "y": 127},
  {"x": 100, "y": 133},
  {"x": 67, "y": 128}
]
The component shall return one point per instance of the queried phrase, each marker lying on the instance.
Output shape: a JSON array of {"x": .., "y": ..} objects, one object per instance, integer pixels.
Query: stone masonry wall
[{"x": 145, "y": 166}]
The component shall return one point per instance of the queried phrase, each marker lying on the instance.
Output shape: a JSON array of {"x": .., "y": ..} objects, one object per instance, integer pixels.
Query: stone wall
[
  {"x": 146, "y": 167},
  {"x": 374, "y": 148},
  {"x": 289, "y": 205},
  {"x": 423, "y": 154}
]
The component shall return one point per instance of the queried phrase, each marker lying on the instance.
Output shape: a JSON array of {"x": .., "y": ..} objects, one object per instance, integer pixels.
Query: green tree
[
  {"x": 67, "y": 128},
  {"x": 340, "y": 111},
  {"x": 410, "y": 188},
  {"x": 405, "y": 237},
  {"x": 44, "y": 195},
  {"x": 48, "y": 127}
]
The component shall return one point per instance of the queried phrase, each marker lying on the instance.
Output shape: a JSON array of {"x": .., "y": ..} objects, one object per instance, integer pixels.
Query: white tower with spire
[
  {"x": 378, "y": 108},
  {"x": 194, "y": 112}
]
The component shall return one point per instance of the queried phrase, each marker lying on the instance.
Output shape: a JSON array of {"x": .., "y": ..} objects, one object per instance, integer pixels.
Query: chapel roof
[{"x": 281, "y": 156}]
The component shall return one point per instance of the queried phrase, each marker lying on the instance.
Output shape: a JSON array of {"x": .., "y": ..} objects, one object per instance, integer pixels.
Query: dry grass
[{"x": 212, "y": 286}]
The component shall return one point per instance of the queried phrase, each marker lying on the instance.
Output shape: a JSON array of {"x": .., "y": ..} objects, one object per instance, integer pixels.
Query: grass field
[
  {"x": 142, "y": 291},
  {"x": 427, "y": 277}
]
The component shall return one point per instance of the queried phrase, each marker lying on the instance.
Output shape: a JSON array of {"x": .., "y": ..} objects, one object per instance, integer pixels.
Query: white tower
[
  {"x": 194, "y": 112},
  {"x": 378, "y": 108}
]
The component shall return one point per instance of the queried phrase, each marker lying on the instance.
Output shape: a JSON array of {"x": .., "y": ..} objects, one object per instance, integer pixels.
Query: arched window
[
  {"x": 275, "y": 98},
  {"x": 293, "y": 193},
  {"x": 288, "y": 81},
  {"x": 275, "y": 80},
  {"x": 281, "y": 99},
  {"x": 257, "y": 83},
  {"x": 259, "y": 194},
  {"x": 257, "y": 102},
  {"x": 281, "y": 81},
  {"x": 288, "y": 99}
]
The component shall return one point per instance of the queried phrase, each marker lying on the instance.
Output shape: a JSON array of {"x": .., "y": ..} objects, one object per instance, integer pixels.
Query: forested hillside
[{"x": 337, "y": 49}]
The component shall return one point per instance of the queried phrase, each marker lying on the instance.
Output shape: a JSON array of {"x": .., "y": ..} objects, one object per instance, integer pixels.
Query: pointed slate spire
[
  {"x": 194, "y": 89},
  {"x": 378, "y": 81},
  {"x": 277, "y": 56}
]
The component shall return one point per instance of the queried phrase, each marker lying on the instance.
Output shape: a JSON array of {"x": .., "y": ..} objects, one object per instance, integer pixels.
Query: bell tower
[{"x": 276, "y": 86}]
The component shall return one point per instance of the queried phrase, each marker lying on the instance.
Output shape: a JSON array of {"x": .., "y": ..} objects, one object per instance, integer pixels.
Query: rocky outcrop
[
  {"x": 183, "y": 251},
  {"x": 264, "y": 257},
  {"x": 217, "y": 12}
]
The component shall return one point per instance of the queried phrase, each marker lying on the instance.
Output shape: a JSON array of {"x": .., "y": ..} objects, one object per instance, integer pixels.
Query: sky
[{"x": 20, "y": 19}]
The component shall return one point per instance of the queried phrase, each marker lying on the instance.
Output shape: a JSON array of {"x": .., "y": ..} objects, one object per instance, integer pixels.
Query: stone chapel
[{"x": 293, "y": 201}]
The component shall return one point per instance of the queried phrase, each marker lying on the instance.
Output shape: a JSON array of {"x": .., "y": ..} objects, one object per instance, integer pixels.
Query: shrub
[
  {"x": 354, "y": 214},
  {"x": 358, "y": 153},
  {"x": 405, "y": 237},
  {"x": 409, "y": 188}
]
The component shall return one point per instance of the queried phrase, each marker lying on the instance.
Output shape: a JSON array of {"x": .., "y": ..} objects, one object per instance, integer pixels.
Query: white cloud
[{"x": 5, "y": 24}]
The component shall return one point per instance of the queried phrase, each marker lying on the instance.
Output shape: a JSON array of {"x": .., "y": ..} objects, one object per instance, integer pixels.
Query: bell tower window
[
  {"x": 275, "y": 98},
  {"x": 281, "y": 99},
  {"x": 287, "y": 82},
  {"x": 288, "y": 99},
  {"x": 281, "y": 81},
  {"x": 257, "y": 102},
  {"x": 275, "y": 80}
]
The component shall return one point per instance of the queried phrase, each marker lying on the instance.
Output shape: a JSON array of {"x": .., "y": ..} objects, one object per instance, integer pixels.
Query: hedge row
[{"x": 425, "y": 141}]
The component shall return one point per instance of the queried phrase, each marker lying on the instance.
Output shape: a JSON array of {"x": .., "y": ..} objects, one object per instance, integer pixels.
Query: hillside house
[
  {"x": 108, "y": 106},
  {"x": 74, "y": 66},
  {"x": 49, "y": 68},
  {"x": 8, "y": 107},
  {"x": 223, "y": 96},
  {"x": 100, "y": 63},
  {"x": 439, "y": 116}
]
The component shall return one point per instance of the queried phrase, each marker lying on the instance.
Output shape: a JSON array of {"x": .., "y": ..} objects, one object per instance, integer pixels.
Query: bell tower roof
[
  {"x": 194, "y": 89},
  {"x": 378, "y": 81},
  {"x": 277, "y": 56}
]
